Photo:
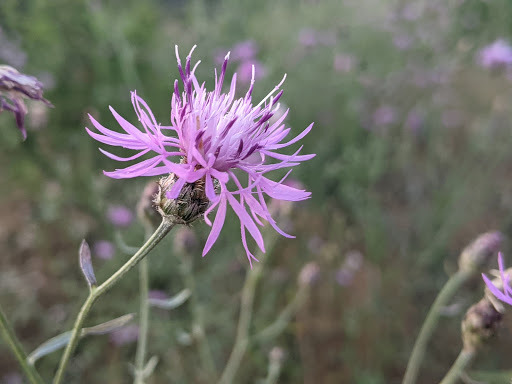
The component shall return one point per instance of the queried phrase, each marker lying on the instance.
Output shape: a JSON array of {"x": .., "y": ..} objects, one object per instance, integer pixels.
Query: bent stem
[
  {"x": 17, "y": 350},
  {"x": 244, "y": 321},
  {"x": 463, "y": 360},
  {"x": 442, "y": 299},
  {"x": 96, "y": 292}
]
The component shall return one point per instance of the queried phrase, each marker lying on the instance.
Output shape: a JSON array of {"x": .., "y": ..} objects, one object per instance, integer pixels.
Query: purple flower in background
[
  {"x": 307, "y": 37},
  {"x": 214, "y": 135},
  {"x": 14, "y": 88},
  {"x": 384, "y": 115},
  {"x": 495, "y": 55},
  {"x": 344, "y": 62},
  {"x": 245, "y": 74},
  {"x": 120, "y": 216},
  {"x": 245, "y": 50},
  {"x": 125, "y": 335},
  {"x": 104, "y": 249},
  {"x": 502, "y": 290}
]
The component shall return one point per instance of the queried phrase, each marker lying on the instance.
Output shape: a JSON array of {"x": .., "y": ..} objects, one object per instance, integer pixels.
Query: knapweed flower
[
  {"x": 120, "y": 216},
  {"x": 500, "y": 287},
  {"x": 495, "y": 55},
  {"x": 14, "y": 87},
  {"x": 222, "y": 144}
]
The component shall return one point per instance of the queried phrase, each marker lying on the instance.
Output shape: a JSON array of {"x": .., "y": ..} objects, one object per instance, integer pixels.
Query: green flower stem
[
  {"x": 244, "y": 321},
  {"x": 142, "y": 342},
  {"x": 463, "y": 360},
  {"x": 283, "y": 320},
  {"x": 205, "y": 352},
  {"x": 17, "y": 350},
  {"x": 95, "y": 293},
  {"x": 427, "y": 329}
]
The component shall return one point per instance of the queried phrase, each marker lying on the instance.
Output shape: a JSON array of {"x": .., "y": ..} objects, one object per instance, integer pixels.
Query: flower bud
[
  {"x": 309, "y": 274},
  {"x": 146, "y": 210},
  {"x": 185, "y": 241},
  {"x": 480, "y": 324},
  {"x": 478, "y": 254},
  {"x": 276, "y": 355},
  {"x": 190, "y": 204}
]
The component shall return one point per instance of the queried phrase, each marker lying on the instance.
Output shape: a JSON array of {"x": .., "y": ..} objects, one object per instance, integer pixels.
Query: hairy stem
[
  {"x": 427, "y": 329},
  {"x": 17, "y": 350},
  {"x": 463, "y": 360},
  {"x": 95, "y": 293}
]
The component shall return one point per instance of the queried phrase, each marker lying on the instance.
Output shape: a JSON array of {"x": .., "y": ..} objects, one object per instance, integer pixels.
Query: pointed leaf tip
[{"x": 86, "y": 264}]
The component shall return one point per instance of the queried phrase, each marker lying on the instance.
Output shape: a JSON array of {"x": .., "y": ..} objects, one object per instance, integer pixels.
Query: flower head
[
  {"x": 14, "y": 87},
  {"x": 495, "y": 55},
  {"x": 225, "y": 144},
  {"x": 500, "y": 287}
]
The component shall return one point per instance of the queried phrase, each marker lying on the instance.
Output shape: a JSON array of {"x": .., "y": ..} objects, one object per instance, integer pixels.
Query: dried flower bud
[
  {"x": 480, "y": 324},
  {"x": 478, "y": 254},
  {"x": 190, "y": 204},
  {"x": 309, "y": 274},
  {"x": 14, "y": 87},
  {"x": 145, "y": 207},
  {"x": 276, "y": 355}
]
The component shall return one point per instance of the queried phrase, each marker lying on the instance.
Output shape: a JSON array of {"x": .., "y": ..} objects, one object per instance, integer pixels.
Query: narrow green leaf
[
  {"x": 60, "y": 341},
  {"x": 173, "y": 302}
]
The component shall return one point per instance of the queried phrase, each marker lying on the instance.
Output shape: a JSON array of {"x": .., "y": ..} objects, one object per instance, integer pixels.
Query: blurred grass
[{"x": 407, "y": 197}]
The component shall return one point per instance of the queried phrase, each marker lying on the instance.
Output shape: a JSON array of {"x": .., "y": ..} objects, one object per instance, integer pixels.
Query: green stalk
[
  {"x": 96, "y": 292},
  {"x": 463, "y": 360},
  {"x": 427, "y": 329},
  {"x": 142, "y": 342},
  {"x": 244, "y": 321},
  {"x": 205, "y": 352},
  {"x": 17, "y": 350}
]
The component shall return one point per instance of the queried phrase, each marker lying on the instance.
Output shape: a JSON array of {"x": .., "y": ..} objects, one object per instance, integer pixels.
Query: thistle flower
[
  {"x": 500, "y": 287},
  {"x": 14, "y": 87},
  {"x": 216, "y": 135}
]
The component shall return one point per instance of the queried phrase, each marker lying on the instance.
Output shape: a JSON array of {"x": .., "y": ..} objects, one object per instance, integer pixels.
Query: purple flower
[
  {"x": 125, "y": 335},
  {"x": 495, "y": 55},
  {"x": 245, "y": 50},
  {"x": 214, "y": 135},
  {"x": 14, "y": 87},
  {"x": 104, "y": 249},
  {"x": 501, "y": 290},
  {"x": 307, "y": 37},
  {"x": 384, "y": 115},
  {"x": 120, "y": 216},
  {"x": 245, "y": 71},
  {"x": 344, "y": 62}
]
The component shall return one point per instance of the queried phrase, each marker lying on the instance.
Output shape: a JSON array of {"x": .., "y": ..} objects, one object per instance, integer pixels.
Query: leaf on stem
[
  {"x": 173, "y": 302},
  {"x": 60, "y": 341}
]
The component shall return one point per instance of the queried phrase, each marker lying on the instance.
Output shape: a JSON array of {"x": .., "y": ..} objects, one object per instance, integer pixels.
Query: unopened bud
[
  {"x": 276, "y": 355},
  {"x": 146, "y": 209},
  {"x": 309, "y": 274},
  {"x": 480, "y": 324},
  {"x": 185, "y": 241},
  {"x": 479, "y": 253},
  {"x": 86, "y": 264},
  {"x": 190, "y": 204}
]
